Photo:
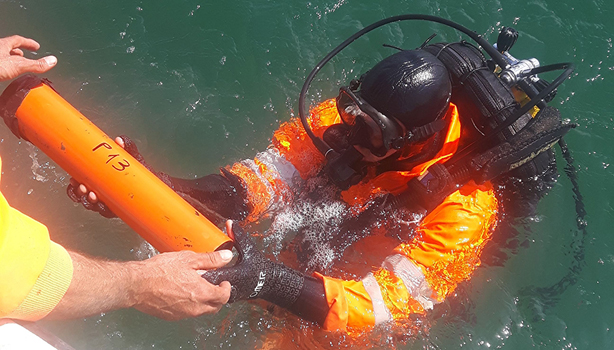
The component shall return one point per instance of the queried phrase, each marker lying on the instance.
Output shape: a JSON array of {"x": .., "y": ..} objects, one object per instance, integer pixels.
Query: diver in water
[{"x": 418, "y": 150}]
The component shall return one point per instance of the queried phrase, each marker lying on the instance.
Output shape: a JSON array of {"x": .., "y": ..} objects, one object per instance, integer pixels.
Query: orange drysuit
[
  {"x": 34, "y": 272},
  {"x": 443, "y": 251}
]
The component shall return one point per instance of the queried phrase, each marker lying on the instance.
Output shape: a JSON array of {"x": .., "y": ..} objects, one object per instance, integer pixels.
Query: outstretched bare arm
[{"x": 167, "y": 286}]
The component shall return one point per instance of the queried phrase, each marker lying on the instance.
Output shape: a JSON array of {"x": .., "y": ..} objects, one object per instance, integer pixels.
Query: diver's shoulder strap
[{"x": 538, "y": 136}]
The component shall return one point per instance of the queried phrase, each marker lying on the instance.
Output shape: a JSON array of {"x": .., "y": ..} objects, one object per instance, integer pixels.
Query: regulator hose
[{"x": 549, "y": 295}]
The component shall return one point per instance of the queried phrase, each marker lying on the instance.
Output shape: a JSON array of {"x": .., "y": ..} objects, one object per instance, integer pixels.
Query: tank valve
[{"x": 519, "y": 70}]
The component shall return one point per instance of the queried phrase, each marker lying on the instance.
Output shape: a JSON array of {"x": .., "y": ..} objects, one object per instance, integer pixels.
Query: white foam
[{"x": 317, "y": 217}]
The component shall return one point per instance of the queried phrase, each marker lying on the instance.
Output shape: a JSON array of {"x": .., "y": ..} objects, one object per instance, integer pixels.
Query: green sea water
[{"x": 199, "y": 84}]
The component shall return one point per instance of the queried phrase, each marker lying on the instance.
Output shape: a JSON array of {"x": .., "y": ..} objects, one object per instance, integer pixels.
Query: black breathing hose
[{"x": 548, "y": 296}]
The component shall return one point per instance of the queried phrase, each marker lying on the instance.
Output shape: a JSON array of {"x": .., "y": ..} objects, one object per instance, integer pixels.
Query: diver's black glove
[
  {"x": 76, "y": 196},
  {"x": 255, "y": 276},
  {"x": 218, "y": 197}
]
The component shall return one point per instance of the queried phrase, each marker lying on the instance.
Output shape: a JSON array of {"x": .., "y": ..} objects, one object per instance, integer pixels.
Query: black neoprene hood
[{"x": 412, "y": 86}]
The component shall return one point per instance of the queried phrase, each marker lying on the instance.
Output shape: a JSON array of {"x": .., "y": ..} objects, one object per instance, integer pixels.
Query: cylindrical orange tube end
[{"x": 35, "y": 112}]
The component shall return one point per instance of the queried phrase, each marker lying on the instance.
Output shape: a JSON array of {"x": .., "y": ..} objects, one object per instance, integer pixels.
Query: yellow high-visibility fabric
[{"x": 27, "y": 259}]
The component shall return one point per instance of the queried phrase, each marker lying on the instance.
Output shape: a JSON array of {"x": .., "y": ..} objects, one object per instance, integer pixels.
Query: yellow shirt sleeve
[{"x": 34, "y": 272}]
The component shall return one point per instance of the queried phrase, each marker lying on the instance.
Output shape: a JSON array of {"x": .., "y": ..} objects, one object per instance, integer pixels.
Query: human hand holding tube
[
  {"x": 171, "y": 288},
  {"x": 12, "y": 62},
  {"x": 168, "y": 286}
]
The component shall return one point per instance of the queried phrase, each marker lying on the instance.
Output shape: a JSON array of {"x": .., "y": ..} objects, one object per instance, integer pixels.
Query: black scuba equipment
[
  {"x": 536, "y": 95},
  {"x": 486, "y": 103},
  {"x": 374, "y": 130},
  {"x": 538, "y": 136},
  {"x": 346, "y": 168},
  {"x": 506, "y": 39}
]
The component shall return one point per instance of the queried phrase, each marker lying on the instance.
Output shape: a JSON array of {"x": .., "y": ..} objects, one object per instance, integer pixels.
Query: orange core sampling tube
[{"x": 131, "y": 191}]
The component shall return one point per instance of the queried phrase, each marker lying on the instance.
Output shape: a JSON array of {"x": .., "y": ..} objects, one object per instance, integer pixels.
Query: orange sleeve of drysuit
[
  {"x": 269, "y": 178},
  {"x": 444, "y": 251},
  {"x": 34, "y": 272},
  {"x": 450, "y": 240}
]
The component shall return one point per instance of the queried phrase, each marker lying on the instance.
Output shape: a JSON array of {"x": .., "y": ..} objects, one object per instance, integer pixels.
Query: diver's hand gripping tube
[{"x": 35, "y": 112}]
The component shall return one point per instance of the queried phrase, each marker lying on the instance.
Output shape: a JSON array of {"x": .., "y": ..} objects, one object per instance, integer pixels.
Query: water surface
[{"x": 199, "y": 84}]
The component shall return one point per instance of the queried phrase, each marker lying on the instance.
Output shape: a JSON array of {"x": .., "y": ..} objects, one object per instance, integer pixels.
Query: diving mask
[{"x": 369, "y": 128}]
